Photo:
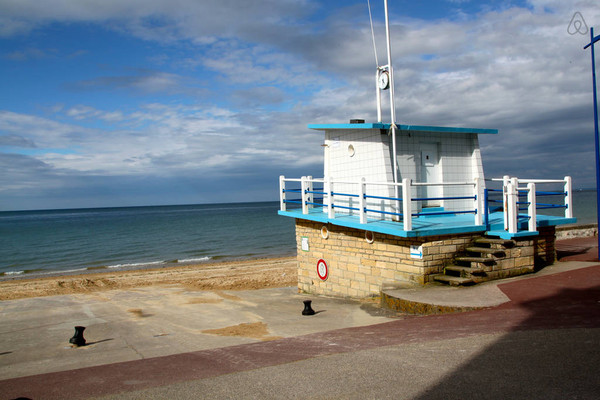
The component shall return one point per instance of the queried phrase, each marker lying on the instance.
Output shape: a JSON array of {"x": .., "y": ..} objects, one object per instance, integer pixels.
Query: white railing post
[
  {"x": 406, "y": 204},
  {"x": 505, "y": 180},
  {"x": 310, "y": 184},
  {"x": 282, "y": 193},
  {"x": 396, "y": 204},
  {"x": 531, "y": 208},
  {"x": 362, "y": 201},
  {"x": 513, "y": 212},
  {"x": 329, "y": 191},
  {"x": 568, "y": 197},
  {"x": 479, "y": 201},
  {"x": 303, "y": 188}
]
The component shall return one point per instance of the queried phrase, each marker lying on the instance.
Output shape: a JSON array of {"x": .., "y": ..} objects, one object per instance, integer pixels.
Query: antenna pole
[
  {"x": 593, "y": 40},
  {"x": 392, "y": 108},
  {"x": 392, "y": 105}
]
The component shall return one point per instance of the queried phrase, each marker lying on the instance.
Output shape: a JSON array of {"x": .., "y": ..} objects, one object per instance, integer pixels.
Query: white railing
[
  {"x": 368, "y": 199},
  {"x": 511, "y": 202}
]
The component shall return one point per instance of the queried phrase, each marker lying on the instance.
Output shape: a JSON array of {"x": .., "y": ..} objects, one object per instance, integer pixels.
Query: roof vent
[{"x": 357, "y": 121}]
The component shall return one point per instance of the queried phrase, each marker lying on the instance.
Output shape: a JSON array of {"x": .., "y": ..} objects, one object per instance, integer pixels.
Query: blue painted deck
[
  {"x": 401, "y": 127},
  {"x": 431, "y": 225}
]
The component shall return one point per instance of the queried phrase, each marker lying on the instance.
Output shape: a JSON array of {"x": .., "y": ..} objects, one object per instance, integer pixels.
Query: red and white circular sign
[{"x": 322, "y": 269}]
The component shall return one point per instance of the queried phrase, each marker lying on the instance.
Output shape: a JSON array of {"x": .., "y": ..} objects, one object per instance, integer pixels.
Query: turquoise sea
[
  {"x": 51, "y": 241},
  {"x": 65, "y": 241}
]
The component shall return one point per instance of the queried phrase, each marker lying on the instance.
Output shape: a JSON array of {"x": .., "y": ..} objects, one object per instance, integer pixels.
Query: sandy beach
[
  {"x": 236, "y": 275},
  {"x": 232, "y": 275}
]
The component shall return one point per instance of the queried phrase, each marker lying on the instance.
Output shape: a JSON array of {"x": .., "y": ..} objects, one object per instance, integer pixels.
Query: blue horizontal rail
[
  {"x": 315, "y": 192},
  {"x": 382, "y": 198},
  {"x": 314, "y": 204},
  {"x": 347, "y": 208},
  {"x": 292, "y": 190},
  {"x": 445, "y": 213},
  {"x": 550, "y": 193},
  {"x": 383, "y": 212},
  {"x": 445, "y": 198},
  {"x": 344, "y": 194},
  {"x": 296, "y": 201}
]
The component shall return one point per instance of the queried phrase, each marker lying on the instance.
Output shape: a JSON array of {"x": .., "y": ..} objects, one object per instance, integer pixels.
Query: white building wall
[
  {"x": 352, "y": 154},
  {"x": 459, "y": 160},
  {"x": 370, "y": 159}
]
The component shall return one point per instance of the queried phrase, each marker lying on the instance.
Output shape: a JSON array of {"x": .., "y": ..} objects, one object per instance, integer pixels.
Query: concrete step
[
  {"x": 502, "y": 242},
  {"x": 453, "y": 280},
  {"x": 463, "y": 271},
  {"x": 486, "y": 250},
  {"x": 469, "y": 259}
]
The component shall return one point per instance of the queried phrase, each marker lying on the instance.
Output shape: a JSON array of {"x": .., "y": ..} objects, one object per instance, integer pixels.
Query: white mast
[{"x": 392, "y": 103}]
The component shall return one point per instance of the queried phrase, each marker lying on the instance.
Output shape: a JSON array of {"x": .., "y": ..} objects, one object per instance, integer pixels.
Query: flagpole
[
  {"x": 392, "y": 103},
  {"x": 392, "y": 109},
  {"x": 592, "y": 41}
]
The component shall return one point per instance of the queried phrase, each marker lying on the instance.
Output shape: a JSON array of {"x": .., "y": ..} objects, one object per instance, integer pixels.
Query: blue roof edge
[{"x": 414, "y": 128}]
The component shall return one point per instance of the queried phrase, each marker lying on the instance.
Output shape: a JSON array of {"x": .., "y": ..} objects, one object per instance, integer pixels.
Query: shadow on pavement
[{"x": 552, "y": 354}]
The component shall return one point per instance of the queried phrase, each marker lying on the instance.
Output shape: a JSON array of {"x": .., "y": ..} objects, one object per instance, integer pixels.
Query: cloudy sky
[{"x": 148, "y": 102}]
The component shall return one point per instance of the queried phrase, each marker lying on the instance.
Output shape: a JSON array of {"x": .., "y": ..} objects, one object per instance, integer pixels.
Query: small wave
[
  {"x": 61, "y": 271},
  {"x": 140, "y": 264},
  {"x": 41, "y": 272},
  {"x": 13, "y": 273},
  {"x": 193, "y": 260}
]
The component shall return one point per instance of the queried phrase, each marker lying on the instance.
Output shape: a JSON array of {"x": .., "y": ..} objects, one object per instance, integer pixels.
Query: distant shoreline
[{"x": 41, "y": 273}]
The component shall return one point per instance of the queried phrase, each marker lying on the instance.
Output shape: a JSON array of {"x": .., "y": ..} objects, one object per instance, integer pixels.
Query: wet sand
[{"x": 235, "y": 275}]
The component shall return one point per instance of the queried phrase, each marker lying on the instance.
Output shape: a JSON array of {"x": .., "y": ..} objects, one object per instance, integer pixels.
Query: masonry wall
[
  {"x": 357, "y": 268},
  {"x": 545, "y": 249}
]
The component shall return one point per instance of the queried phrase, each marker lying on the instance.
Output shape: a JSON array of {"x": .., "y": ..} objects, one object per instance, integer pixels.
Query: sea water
[
  {"x": 67, "y": 241},
  {"x": 80, "y": 240}
]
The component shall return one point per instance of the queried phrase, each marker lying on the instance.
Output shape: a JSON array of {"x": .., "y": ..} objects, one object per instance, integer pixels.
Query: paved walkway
[{"x": 540, "y": 343}]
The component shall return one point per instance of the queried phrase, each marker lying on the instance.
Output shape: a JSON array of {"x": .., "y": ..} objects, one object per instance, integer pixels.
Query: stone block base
[{"x": 346, "y": 262}]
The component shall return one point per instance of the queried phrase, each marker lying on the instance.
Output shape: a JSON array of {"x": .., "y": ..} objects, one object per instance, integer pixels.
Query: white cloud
[
  {"x": 515, "y": 68},
  {"x": 157, "y": 20}
]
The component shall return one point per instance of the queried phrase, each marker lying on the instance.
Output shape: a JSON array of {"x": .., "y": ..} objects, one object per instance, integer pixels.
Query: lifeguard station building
[{"x": 357, "y": 230}]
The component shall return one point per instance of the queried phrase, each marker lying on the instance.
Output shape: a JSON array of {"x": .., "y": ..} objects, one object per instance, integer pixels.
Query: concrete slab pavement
[{"x": 157, "y": 321}]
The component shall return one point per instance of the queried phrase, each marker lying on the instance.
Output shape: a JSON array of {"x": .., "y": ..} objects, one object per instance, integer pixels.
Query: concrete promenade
[{"x": 535, "y": 337}]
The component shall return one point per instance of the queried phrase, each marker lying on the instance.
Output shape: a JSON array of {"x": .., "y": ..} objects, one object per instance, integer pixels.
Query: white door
[{"x": 431, "y": 172}]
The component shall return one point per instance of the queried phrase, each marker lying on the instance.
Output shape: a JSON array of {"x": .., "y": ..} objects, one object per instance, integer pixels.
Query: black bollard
[
  {"x": 78, "y": 339},
  {"x": 307, "y": 308}
]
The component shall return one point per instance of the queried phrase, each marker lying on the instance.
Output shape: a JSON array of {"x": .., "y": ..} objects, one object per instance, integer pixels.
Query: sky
[{"x": 155, "y": 102}]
